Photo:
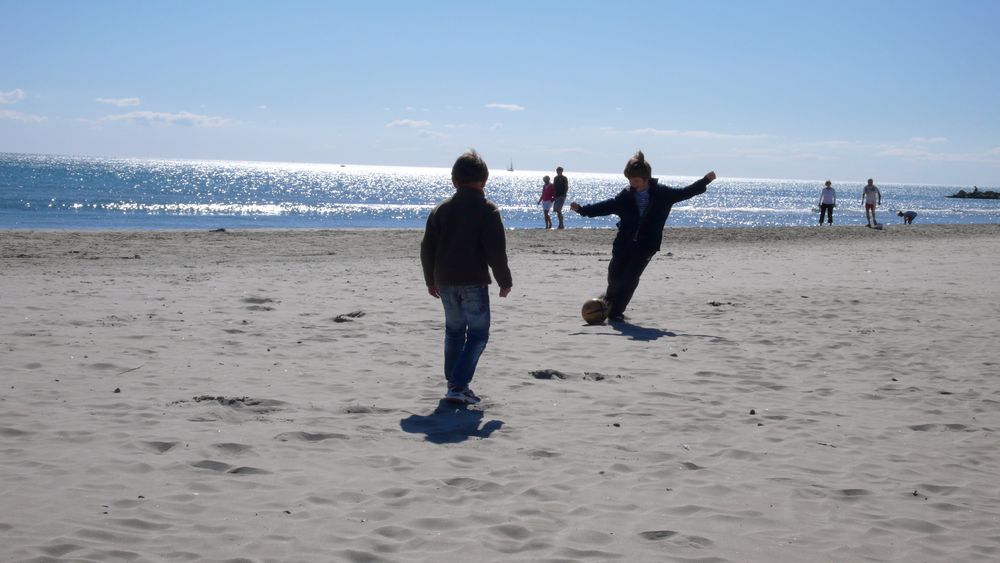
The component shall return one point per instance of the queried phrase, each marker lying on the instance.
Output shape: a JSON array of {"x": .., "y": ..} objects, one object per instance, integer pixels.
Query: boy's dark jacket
[
  {"x": 643, "y": 233},
  {"x": 464, "y": 235}
]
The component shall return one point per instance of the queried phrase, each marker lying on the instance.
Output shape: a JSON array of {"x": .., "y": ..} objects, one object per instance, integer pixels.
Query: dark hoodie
[
  {"x": 643, "y": 233},
  {"x": 464, "y": 235}
]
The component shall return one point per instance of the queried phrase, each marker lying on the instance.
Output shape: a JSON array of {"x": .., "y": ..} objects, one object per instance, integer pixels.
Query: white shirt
[
  {"x": 827, "y": 197},
  {"x": 870, "y": 194}
]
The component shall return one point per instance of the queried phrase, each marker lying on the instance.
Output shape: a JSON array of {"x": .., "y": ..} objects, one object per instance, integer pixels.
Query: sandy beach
[{"x": 786, "y": 394}]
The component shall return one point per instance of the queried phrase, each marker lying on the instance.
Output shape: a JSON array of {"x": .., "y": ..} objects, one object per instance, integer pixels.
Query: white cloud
[
  {"x": 120, "y": 102},
  {"x": 12, "y": 97},
  {"x": 410, "y": 123},
  {"x": 261, "y": 107},
  {"x": 506, "y": 107},
  {"x": 496, "y": 126},
  {"x": 920, "y": 154},
  {"x": 928, "y": 140},
  {"x": 23, "y": 117},
  {"x": 694, "y": 134},
  {"x": 183, "y": 119}
]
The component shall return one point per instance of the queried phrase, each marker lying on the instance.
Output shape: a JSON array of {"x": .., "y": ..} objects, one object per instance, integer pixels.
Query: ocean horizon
[{"x": 102, "y": 193}]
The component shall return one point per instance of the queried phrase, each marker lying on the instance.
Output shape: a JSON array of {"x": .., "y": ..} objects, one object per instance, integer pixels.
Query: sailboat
[{"x": 510, "y": 166}]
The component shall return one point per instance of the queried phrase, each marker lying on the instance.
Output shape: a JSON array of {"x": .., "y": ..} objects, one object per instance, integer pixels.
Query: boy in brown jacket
[{"x": 464, "y": 238}]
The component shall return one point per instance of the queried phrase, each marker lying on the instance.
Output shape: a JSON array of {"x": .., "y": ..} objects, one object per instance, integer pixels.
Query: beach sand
[{"x": 787, "y": 394}]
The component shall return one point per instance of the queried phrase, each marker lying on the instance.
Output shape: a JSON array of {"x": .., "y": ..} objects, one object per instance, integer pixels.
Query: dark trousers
[
  {"x": 624, "y": 271},
  {"x": 826, "y": 209}
]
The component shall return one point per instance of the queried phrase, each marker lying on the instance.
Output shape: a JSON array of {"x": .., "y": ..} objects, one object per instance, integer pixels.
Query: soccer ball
[{"x": 594, "y": 311}]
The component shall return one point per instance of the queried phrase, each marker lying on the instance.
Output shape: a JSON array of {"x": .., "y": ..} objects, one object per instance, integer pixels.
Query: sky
[{"x": 901, "y": 91}]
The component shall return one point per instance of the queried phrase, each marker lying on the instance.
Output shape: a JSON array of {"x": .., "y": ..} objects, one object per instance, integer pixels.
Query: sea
[{"x": 46, "y": 192}]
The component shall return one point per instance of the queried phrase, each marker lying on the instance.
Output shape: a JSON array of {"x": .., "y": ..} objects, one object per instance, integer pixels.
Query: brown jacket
[{"x": 464, "y": 235}]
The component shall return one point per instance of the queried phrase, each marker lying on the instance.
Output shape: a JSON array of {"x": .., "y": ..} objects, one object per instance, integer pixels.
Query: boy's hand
[
  {"x": 575, "y": 206},
  {"x": 710, "y": 176},
  {"x": 504, "y": 291},
  {"x": 433, "y": 290}
]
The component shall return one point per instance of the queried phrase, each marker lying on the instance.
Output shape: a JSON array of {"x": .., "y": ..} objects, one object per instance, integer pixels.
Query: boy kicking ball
[{"x": 643, "y": 209}]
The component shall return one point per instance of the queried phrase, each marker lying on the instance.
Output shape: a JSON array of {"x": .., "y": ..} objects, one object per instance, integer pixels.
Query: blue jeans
[{"x": 466, "y": 330}]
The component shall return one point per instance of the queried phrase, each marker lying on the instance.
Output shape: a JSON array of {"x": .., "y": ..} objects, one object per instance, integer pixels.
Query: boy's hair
[
  {"x": 546, "y": 178},
  {"x": 470, "y": 168},
  {"x": 637, "y": 167}
]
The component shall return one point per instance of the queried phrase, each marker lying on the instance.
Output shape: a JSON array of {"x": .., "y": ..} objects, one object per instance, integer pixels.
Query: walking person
[
  {"x": 643, "y": 209},
  {"x": 463, "y": 240},
  {"x": 871, "y": 197},
  {"x": 827, "y": 201}
]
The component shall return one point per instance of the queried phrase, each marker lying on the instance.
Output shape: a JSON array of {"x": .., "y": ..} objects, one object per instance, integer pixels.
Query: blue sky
[{"x": 899, "y": 91}]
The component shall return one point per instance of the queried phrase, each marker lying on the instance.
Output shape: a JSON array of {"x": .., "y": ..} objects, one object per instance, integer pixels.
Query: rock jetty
[{"x": 976, "y": 194}]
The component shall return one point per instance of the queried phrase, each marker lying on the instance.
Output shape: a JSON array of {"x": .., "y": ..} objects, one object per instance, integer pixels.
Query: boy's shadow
[
  {"x": 449, "y": 424},
  {"x": 636, "y": 332}
]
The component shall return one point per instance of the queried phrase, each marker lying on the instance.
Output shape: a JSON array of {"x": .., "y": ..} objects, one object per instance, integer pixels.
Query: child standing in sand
[
  {"x": 464, "y": 238},
  {"x": 546, "y": 199},
  {"x": 643, "y": 208}
]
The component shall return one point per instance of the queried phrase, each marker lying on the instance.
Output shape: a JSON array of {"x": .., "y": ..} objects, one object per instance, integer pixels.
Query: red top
[{"x": 548, "y": 192}]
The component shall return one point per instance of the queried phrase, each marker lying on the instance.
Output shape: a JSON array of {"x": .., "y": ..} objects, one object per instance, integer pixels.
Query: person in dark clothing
[
  {"x": 464, "y": 238},
  {"x": 643, "y": 209},
  {"x": 827, "y": 201},
  {"x": 561, "y": 185}
]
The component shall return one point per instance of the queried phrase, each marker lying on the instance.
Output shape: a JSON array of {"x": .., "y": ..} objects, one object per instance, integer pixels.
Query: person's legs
[
  {"x": 869, "y": 211},
  {"x": 467, "y": 329},
  {"x": 454, "y": 329},
  {"x": 624, "y": 272},
  {"x": 825, "y": 210},
  {"x": 557, "y": 207}
]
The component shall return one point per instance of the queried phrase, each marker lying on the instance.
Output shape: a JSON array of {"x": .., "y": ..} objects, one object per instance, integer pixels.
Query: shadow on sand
[
  {"x": 636, "y": 332},
  {"x": 449, "y": 424}
]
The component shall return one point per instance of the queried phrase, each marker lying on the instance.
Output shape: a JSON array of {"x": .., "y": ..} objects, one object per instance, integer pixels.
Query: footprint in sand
[
  {"x": 259, "y": 303},
  {"x": 309, "y": 436},
  {"x": 221, "y": 467},
  {"x": 160, "y": 447}
]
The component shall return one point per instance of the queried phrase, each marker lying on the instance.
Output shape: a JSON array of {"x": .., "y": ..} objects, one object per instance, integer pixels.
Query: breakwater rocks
[{"x": 976, "y": 194}]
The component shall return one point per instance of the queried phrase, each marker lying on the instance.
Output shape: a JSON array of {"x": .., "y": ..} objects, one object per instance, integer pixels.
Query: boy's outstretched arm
[
  {"x": 696, "y": 188},
  {"x": 599, "y": 209}
]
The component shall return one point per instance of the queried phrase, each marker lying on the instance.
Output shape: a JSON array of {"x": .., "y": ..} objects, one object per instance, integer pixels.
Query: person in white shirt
[
  {"x": 868, "y": 197},
  {"x": 827, "y": 201}
]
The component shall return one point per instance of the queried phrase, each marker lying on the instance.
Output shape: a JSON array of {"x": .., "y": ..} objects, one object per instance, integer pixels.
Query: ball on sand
[{"x": 594, "y": 311}]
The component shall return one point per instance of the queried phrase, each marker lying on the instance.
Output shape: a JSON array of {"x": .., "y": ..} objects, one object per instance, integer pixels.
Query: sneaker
[
  {"x": 464, "y": 396},
  {"x": 470, "y": 397},
  {"x": 619, "y": 318}
]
